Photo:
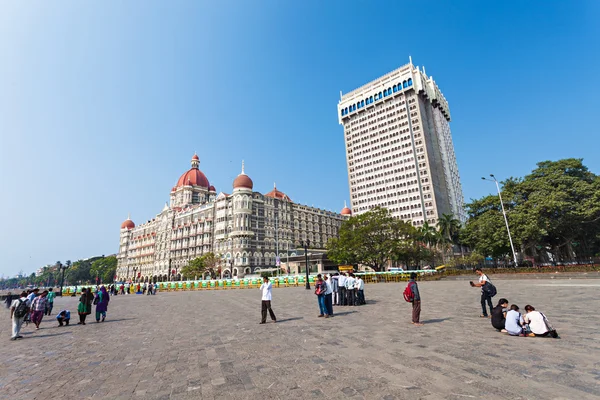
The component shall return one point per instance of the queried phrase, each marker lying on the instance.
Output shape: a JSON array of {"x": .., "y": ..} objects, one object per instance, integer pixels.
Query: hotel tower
[{"x": 399, "y": 148}]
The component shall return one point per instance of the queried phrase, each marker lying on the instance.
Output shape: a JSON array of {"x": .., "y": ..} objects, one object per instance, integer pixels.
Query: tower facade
[{"x": 399, "y": 148}]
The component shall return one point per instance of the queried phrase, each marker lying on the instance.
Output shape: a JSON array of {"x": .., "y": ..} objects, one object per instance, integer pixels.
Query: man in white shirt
[
  {"x": 483, "y": 279},
  {"x": 17, "y": 320},
  {"x": 329, "y": 295},
  {"x": 360, "y": 293},
  {"x": 342, "y": 288},
  {"x": 266, "y": 288},
  {"x": 350, "y": 290}
]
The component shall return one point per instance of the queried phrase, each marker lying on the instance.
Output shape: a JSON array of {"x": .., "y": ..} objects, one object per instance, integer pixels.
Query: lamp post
[
  {"x": 305, "y": 244},
  {"x": 62, "y": 267},
  {"x": 512, "y": 247}
]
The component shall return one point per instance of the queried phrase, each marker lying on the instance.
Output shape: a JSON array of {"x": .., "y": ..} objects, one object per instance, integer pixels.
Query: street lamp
[
  {"x": 512, "y": 247},
  {"x": 62, "y": 267},
  {"x": 305, "y": 244}
]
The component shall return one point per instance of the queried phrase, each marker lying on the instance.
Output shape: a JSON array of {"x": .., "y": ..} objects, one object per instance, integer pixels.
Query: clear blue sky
[{"x": 102, "y": 104}]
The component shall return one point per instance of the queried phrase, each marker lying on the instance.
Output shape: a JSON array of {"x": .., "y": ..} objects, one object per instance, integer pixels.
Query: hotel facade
[
  {"x": 399, "y": 148},
  {"x": 248, "y": 230}
]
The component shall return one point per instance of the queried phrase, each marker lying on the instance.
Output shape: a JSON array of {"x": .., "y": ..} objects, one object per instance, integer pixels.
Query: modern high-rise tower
[{"x": 399, "y": 148}]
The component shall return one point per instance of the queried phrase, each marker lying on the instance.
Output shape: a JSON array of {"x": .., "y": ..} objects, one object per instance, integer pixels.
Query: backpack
[
  {"x": 489, "y": 289},
  {"x": 21, "y": 309},
  {"x": 409, "y": 296},
  {"x": 320, "y": 289},
  {"x": 552, "y": 331}
]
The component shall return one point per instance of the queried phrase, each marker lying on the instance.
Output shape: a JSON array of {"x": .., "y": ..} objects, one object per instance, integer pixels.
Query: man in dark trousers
[
  {"x": 416, "y": 302},
  {"x": 266, "y": 288},
  {"x": 342, "y": 289}
]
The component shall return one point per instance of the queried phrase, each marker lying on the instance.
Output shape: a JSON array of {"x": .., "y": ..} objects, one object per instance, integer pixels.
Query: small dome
[
  {"x": 212, "y": 189},
  {"x": 243, "y": 181},
  {"x": 346, "y": 210},
  {"x": 276, "y": 194},
  {"x": 195, "y": 157},
  {"x": 127, "y": 224}
]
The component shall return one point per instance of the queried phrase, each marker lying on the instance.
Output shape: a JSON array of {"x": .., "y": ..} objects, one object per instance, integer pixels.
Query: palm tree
[
  {"x": 429, "y": 235},
  {"x": 448, "y": 226}
]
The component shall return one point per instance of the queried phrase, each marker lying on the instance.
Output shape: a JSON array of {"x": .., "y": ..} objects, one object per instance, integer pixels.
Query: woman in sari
[
  {"x": 85, "y": 305},
  {"x": 102, "y": 303}
]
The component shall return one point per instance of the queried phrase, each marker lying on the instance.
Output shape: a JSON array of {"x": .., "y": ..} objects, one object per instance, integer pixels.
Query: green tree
[
  {"x": 371, "y": 239},
  {"x": 196, "y": 268},
  {"x": 103, "y": 268},
  {"x": 553, "y": 214}
]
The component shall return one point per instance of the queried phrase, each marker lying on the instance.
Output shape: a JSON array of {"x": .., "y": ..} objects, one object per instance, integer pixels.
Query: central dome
[{"x": 193, "y": 177}]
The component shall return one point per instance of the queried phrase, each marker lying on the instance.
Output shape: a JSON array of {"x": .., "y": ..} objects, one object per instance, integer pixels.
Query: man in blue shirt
[{"x": 63, "y": 317}]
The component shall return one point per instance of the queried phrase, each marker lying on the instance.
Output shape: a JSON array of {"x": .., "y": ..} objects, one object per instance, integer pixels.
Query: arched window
[
  {"x": 409, "y": 81},
  {"x": 371, "y": 99},
  {"x": 395, "y": 88},
  {"x": 404, "y": 84},
  {"x": 380, "y": 95},
  {"x": 384, "y": 92},
  {"x": 362, "y": 103}
]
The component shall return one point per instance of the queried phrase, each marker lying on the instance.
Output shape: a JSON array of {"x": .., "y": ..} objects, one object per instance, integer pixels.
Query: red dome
[
  {"x": 276, "y": 194},
  {"x": 243, "y": 181},
  {"x": 195, "y": 157},
  {"x": 346, "y": 211},
  {"x": 212, "y": 189},
  {"x": 194, "y": 177},
  {"x": 128, "y": 224}
]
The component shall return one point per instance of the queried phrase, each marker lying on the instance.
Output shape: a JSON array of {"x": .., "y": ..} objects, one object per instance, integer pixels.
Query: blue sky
[{"x": 102, "y": 104}]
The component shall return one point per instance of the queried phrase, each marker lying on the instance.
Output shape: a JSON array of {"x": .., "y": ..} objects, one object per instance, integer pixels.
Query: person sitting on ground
[
  {"x": 499, "y": 315},
  {"x": 514, "y": 321},
  {"x": 538, "y": 323},
  {"x": 63, "y": 317}
]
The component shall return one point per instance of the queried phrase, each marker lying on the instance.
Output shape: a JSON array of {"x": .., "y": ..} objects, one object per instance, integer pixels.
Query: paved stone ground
[{"x": 208, "y": 345}]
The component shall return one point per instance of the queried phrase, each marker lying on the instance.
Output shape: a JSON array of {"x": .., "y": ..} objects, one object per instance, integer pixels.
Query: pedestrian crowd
[{"x": 32, "y": 306}]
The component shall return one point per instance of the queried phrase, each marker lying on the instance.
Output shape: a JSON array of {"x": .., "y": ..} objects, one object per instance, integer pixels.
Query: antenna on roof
[
  {"x": 410, "y": 60},
  {"x": 340, "y": 95}
]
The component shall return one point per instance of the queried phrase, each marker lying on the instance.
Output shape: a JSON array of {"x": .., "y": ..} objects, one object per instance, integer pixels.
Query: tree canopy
[
  {"x": 553, "y": 214},
  {"x": 197, "y": 267},
  {"x": 374, "y": 238}
]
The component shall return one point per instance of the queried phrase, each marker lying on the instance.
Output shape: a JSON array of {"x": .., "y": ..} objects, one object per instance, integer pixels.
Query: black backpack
[
  {"x": 489, "y": 289},
  {"x": 21, "y": 309}
]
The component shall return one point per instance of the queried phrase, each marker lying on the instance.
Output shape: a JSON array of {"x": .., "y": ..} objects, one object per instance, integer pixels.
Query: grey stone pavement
[{"x": 209, "y": 345}]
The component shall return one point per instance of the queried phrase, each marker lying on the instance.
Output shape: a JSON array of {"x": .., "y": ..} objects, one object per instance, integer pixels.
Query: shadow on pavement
[
  {"x": 116, "y": 320},
  {"x": 335, "y": 314},
  {"x": 289, "y": 319},
  {"x": 49, "y": 335},
  {"x": 434, "y": 321}
]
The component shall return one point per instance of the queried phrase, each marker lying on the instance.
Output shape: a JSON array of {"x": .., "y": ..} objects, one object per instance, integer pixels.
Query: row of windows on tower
[{"x": 377, "y": 96}]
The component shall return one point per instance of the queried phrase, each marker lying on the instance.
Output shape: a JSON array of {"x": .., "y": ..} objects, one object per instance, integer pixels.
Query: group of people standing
[
  {"x": 339, "y": 290},
  {"x": 33, "y": 305}
]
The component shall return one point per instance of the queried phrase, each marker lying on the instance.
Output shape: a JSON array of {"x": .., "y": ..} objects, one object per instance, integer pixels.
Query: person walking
[
  {"x": 328, "y": 296},
  {"x": 50, "y": 301},
  {"x": 8, "y": 300},
  {"x": 18, "y": 310},
  {"x": 335, "y": 285},
  {"x": 266, "y": 289},
  {"x": 320, "y": 289},
  {"x": 342, "y": 288},
  {"x": 416, "y": 299},
  {"x": 85, "y": 305},
  {"x": 485, "y": 297},
  {"x": 63, "y": 317},
  {"x": 101, "y": 300},
  {"x": 38, "y": 307}
]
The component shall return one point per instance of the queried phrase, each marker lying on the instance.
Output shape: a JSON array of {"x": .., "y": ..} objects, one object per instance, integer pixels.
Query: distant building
[
  {"x": 399, "y": 148},
  {"x": 247, "y": 229}
]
